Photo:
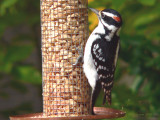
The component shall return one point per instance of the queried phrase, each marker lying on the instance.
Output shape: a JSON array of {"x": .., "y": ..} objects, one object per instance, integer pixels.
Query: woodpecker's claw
[{"x": 80, "y": 57}]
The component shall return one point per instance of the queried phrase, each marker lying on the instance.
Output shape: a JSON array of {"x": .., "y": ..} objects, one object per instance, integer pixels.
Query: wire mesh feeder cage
[
  {"x": 66, "y": 92},
  {"x": 64, "y": 32}
]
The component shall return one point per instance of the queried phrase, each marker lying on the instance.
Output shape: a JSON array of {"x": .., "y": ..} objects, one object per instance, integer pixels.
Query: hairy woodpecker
[{"x": 101, "y": 52}]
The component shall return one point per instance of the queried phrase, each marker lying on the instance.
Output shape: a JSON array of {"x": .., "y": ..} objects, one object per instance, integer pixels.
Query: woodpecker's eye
[{"x": 102, "y": 15}]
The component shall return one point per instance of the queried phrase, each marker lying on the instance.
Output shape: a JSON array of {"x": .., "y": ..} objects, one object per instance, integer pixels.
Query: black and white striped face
[{"x": 110, "y": 17}]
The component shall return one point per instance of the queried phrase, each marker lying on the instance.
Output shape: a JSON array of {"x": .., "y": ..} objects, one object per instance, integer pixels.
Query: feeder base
[{"x": 101, "y": 113}]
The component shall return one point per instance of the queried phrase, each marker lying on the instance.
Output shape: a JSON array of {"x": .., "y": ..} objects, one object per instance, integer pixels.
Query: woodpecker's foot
[
  {"x": 80, "y": 57},
  {"x": 79, "y": 60}
]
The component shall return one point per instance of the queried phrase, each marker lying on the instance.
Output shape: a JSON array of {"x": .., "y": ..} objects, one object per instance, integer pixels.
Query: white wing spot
[
  {"x": 95, "y": 63},
  {"x": 100, "y": 51},
  {"x": 102, "y": 83},
  {"x": 102, "y": 67},
  {"x": 112, "y": 76},
  {"x": 97, "y": 56},
  {"x": 104, "y": 76},
  {"x": 99, "y": 66},
  {"x": 97, "y": 46},
  {"x": 100, "y": 58}
]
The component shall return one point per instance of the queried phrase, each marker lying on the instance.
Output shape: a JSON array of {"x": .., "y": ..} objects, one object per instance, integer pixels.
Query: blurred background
[{"x": 137, "y": 80}]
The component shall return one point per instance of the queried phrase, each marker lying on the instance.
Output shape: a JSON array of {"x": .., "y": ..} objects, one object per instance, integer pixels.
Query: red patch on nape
[{"x": 116, "y": 18}]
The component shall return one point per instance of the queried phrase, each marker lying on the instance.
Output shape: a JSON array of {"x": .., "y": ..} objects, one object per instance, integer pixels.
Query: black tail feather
[
  {"x": 95, "y": 94},
  {"x": 104, "y": 99},
  {"x": 107, "y": 96},
  {"x": 107, "y": 87}
]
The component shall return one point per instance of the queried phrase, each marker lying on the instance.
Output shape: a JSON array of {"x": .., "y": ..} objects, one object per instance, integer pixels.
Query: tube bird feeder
[
  {"x": 66, "y": 92},
  {"x": 64, "y": 31}
]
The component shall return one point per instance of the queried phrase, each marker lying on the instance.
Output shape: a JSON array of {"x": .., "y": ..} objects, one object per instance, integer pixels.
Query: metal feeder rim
[{"x": 101, "y": 113}]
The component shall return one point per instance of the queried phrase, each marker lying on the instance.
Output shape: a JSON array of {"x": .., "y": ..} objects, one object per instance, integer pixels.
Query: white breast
[{"x": 88, "y": 66}]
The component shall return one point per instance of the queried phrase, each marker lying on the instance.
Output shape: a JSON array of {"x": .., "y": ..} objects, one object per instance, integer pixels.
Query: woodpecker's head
[{"x": 109, "y": 18}]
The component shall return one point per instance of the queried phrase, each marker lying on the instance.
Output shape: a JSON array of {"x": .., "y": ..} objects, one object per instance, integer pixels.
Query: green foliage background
[{"x": 137, "y": 83}]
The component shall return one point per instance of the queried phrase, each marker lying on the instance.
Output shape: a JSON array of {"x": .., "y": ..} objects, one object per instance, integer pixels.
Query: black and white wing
[{"x": 104, "y": 60}]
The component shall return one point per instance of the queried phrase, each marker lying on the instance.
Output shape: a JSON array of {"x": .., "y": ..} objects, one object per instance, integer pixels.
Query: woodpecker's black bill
[{"x": 95, "y": 11}]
